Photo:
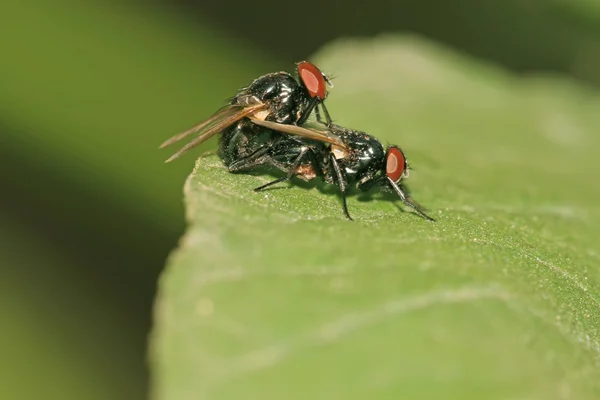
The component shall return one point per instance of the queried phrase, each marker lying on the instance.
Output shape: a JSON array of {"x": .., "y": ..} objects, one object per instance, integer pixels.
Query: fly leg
[
  {"x": 262, "y": 155},
  {"x": 410, "y": 199},
  {"x": 304, "y": 152},
  {"x": 406, "y": 199},
  {"x": 342, "y": 183},
  {"x": 314, "y": 105},
  {"x": 328, "y": 121},
  {"x": 252, "y": 160}
]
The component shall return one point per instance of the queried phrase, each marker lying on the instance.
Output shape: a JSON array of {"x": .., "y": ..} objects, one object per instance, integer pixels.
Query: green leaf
[{"x": 276, "y": 295}]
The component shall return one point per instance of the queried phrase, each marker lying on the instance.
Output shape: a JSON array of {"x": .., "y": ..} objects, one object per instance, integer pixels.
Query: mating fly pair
[{"x": 261, "y": 126}]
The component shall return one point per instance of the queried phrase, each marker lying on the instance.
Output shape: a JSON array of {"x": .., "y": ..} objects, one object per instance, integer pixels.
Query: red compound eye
[
  {"x": 313, "y": 79},
  {"x": 395, "y": 164}
]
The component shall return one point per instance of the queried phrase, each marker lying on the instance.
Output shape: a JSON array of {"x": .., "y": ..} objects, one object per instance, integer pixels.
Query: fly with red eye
[
  {"x": 396, "y": 170},
  {"x": 338, "y": 155},
  {"x": 315, "y": 82},
  {"x": 279, "y": 97},
  {"x": 395, "y": 164}
]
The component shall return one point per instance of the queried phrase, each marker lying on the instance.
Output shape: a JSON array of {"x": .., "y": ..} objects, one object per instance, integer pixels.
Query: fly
[{"x": 278, "y": 97}]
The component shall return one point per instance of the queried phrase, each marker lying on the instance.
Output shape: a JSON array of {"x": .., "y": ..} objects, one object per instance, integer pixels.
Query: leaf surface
[{"x": 277, "y": 295}]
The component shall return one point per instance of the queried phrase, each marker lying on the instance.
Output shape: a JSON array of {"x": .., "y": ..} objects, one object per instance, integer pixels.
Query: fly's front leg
[
  {"x": 314, "y": 104},
  {"x": 328, "y": 121},
  {"x": 311, "y": 106},
  {"x": 410, "y": 199},
  {"x": 407, "y": 199}
]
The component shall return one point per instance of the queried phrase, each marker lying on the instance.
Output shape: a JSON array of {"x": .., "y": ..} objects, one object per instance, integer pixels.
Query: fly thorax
[{"x": 368, "y": 157}]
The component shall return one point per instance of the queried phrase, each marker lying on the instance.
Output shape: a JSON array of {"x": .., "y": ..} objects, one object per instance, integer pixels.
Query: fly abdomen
[{"x": 241, "y": 141}]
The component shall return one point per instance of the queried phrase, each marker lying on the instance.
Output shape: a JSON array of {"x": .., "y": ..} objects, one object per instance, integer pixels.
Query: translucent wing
[
  {"x": 309, "y": 133},
  {"x": 222, "y": 119}
]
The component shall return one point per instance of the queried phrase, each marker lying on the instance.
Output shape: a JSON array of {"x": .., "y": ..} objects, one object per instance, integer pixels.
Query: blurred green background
[{"x": 88, "y": 90}]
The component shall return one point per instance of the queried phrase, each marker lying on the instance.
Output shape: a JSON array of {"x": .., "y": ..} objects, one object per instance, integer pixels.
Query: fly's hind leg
[
  {"x": 305, "y": 153},
  {"x": 253, "y": 160}
]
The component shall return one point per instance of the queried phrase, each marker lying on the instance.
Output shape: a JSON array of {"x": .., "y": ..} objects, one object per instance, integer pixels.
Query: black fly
[
  {"x": 336, "y": 154},
  {"x": 278, "y": 97}
]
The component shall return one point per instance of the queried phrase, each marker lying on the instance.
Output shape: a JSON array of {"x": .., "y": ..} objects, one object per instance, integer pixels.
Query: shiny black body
[
  {"x": 361, "y": 163},
  {"x": 289, "y": 101}
]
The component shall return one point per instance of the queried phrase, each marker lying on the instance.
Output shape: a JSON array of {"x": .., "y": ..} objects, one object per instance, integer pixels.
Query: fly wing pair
[
  {"x": 230, "y": 114},
  {"x": 321, "y": 135},
  {"x": 222, "y": 119}
]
